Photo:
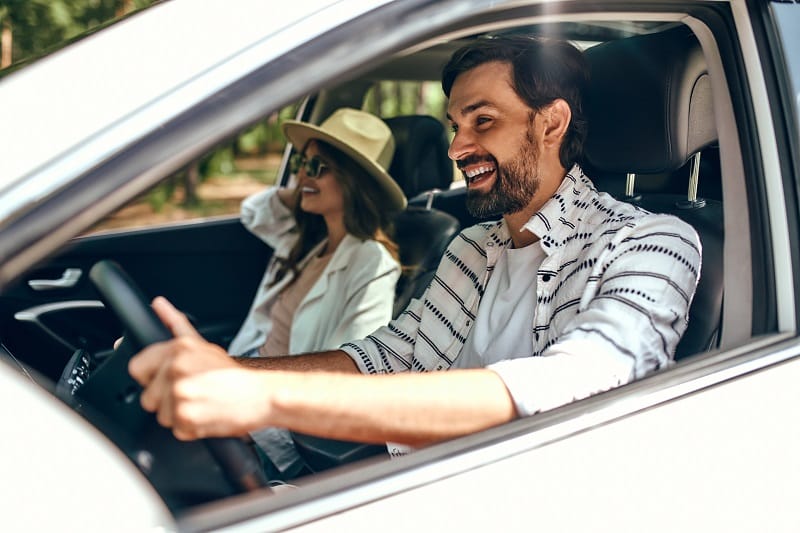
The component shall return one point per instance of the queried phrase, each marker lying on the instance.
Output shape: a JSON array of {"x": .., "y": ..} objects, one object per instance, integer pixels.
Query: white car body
[{"x": 708, "y": 445}]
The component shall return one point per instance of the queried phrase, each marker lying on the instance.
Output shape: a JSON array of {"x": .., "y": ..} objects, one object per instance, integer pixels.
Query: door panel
[{"x": 208, "y": 269}]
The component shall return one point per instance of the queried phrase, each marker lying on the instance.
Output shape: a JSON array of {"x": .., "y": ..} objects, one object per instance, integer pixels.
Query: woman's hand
[{"x": 288, "y": 196}]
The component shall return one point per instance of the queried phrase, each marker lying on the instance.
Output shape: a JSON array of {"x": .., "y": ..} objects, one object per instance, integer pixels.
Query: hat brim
[{"x": 299, "y": 133}]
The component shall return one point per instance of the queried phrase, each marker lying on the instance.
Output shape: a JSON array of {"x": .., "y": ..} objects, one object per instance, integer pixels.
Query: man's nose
[{"x": 461, "y": 146}]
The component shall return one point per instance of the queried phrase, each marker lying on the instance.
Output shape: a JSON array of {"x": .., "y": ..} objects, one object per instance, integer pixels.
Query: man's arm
[
  {"x": 332, "y": 361},
  {"x": 409, "y": 408},
  {"x": 199, "y": 391}
]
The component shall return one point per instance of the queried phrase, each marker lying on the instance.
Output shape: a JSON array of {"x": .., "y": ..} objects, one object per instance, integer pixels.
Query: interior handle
[{"x": 67, "y": 280}]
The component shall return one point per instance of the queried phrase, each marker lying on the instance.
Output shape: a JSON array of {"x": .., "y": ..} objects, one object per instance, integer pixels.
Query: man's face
[{"x": 494, "y": 143}]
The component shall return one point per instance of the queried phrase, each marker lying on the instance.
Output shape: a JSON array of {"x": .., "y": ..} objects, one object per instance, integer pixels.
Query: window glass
[
  {"x": 213, "y": 185},
  {"x": 392, "y": 98},
  {"x": 36, "y": 28},
  {"x": 389, "y": 99},
  {"x": 787, "y": 17}
]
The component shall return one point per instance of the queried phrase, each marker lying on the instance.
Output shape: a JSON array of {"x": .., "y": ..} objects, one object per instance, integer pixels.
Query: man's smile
[{"x": 479, "y": 173}]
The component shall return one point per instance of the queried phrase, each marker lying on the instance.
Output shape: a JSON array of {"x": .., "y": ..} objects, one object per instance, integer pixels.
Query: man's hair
[{"x": 543, "y": 70}]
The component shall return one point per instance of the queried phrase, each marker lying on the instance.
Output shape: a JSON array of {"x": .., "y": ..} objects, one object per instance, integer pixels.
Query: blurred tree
[
  {"x": 393, "y": 98},
  {"x": 5, "y": 42},
  {"x": 31, "y": 28}
]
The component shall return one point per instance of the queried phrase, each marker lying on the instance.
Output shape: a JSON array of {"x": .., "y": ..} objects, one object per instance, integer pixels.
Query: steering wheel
[{"x": 113, "y": 398}]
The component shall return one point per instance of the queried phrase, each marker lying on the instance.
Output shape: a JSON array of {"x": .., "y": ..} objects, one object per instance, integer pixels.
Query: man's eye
[
  {"x": 453, "y": 128},
  {"x": 482, "y": 121}
]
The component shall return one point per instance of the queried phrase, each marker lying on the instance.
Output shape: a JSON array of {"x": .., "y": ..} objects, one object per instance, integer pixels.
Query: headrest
[
  {"x": 649, "y": 103},
  {"x": 423, "y": 234},
  {"x": 420, "y": 159}
]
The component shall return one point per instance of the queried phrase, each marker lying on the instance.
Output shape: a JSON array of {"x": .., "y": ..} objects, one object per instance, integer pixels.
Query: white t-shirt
[{"x": 504, "y": 322}]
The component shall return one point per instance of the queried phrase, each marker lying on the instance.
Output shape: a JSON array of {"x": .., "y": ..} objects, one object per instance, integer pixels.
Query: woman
[{"x": 334, "y": 268}]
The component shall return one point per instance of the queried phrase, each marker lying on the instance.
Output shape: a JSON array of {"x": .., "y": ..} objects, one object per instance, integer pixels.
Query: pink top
[{"x": 287, "y": 302}]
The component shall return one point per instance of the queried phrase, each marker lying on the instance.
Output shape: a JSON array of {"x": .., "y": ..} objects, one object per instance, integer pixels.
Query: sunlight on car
[{"x": 408, "y": 249}]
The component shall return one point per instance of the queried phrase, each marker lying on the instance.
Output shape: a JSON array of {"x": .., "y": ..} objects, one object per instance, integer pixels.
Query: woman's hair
[
  {"x": 364, "y": 216},
  {"x": 543, "y": 70}
]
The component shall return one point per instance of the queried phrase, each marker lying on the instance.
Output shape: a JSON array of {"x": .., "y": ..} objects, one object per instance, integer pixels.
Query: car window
[
  {"x": 393, "y": 98},
  {"x": 787, "y": 20},
  {"x": 216, "y": 183},
  {"x": 212, "y": 185},
  {"x": 31, "y": 30}
]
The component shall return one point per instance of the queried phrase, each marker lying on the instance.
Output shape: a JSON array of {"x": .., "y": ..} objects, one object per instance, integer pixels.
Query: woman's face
[{"x": 321, "y": 195}]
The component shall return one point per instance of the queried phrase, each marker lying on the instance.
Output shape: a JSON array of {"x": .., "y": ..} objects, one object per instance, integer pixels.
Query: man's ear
[{"x": 557, "y": 116}]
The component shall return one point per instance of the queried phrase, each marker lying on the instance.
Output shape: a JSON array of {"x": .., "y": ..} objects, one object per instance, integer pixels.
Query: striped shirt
[{"x": 612, "y": 295}]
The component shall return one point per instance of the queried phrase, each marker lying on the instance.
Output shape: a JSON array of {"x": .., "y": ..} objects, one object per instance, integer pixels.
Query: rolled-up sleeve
[
  {"x": 571, "y": 371},
  {"x": 631, "y": 316},
  {"x": 389, "y": 349},
  {"x": 266, "y": 217}
]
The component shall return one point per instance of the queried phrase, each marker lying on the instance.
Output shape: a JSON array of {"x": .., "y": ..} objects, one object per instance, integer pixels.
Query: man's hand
[
  {"x": 193, "y": 386},
  {"x": 199, "y": 391}
]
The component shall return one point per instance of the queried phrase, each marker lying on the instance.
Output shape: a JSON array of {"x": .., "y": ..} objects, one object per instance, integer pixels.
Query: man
[{"x": 571, "y": 293}]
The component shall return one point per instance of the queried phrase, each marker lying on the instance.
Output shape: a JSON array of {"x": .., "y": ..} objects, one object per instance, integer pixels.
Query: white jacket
[{"x": 352, "y": 298}]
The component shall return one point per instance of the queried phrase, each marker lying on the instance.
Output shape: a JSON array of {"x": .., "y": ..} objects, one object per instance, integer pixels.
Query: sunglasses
[{"x": 314, "y": 166}]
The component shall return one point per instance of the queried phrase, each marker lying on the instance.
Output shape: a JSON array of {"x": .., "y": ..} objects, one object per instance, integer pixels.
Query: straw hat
[{"x": 363, "y": 137}]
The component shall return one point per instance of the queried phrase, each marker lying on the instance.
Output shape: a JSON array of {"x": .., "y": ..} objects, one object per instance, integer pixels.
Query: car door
[
  {"x": 209, "y": 268},
  {"x": 708, "y": 435}
]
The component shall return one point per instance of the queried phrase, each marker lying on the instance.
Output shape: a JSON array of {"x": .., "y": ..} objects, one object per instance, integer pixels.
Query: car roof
[{"x": 112, "y": 83}]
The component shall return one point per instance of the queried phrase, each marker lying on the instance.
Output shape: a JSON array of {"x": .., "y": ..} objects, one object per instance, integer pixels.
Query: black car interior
[
  {"x": 650, "y": 112},
  {"x": 422, "y": 233},
  {"x": 652, "y": 134},
  {"x": 420, "y": 160},
  {"x": 209, "y": 269}
]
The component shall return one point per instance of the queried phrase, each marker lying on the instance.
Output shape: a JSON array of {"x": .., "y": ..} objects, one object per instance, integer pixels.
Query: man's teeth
[
  {"x": 480, "y": 170},
  {"x": 309, "y": 189}
]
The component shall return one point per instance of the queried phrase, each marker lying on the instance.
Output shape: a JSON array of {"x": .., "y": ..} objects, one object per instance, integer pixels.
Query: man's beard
[{"x": 515, "y": 185}]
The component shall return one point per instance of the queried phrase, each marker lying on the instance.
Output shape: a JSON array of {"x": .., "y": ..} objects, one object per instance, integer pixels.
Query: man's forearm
[
  {"x": 332, "y": 361},
  {"x": 408, "y": 408}
]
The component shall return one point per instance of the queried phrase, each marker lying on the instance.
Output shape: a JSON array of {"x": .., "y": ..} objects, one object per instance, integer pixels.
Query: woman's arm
[{"x": 268, "y": 215}]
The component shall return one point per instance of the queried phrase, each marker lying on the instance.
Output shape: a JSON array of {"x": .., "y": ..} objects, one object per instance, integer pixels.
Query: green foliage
[
  {"x": 221, "y": 161},
  {"x": 266, "y": 136},
  {"x": 38, "y": 27},
  {"x": 254, "y": 140},
  {"x": 41, "y": 26},
  {"x": 393, "y": 98},
  {"x": 160, "y": 196}
]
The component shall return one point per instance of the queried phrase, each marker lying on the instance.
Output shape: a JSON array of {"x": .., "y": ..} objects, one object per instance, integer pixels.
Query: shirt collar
[
  {"x": 341, "y": 255},
  {"x": 557, "y": 218}
]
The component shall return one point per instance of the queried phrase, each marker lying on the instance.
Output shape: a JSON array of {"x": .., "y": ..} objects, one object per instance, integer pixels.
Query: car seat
[
  {"x": 420, "y": 160},
  {"x": 422, "y": 233},
  {"x": 650, "y": 114}
]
